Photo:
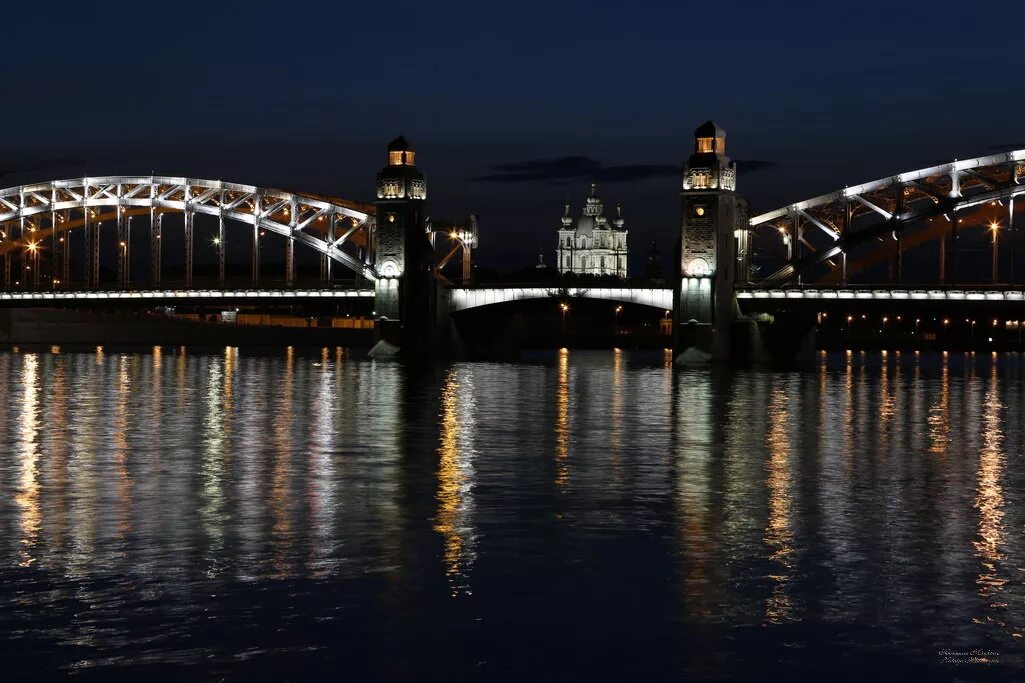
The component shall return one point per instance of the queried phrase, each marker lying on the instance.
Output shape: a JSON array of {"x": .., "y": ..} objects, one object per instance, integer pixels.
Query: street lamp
[
  {"x": 994, "y": 228},
  {"x": 564, "y": 307},
  {"x": 619, "y": 309},
  {"x": 787, "y": 243}
]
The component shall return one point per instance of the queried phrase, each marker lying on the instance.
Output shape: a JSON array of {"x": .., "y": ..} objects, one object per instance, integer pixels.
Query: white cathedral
[{"x": 595, "y": 246}]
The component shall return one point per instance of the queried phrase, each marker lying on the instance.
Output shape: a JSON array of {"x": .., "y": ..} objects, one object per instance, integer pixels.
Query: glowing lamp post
[{"x": 994, "y": 228}]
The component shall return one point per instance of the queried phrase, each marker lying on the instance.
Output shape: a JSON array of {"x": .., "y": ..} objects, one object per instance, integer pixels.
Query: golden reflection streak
[
  {"x": 887, "y": 410},
  {"x": 939, "y": 413},
  {"x": 281, "y": 496},
  {"x": 562, "y": 418},
  {"x": 27, "y": 497},
  {"x": 616, "y": 437},
  {"x": 989, "y": 500},
  {"x": 454, "y": 519},
  {"x": 778, "y": 533}
]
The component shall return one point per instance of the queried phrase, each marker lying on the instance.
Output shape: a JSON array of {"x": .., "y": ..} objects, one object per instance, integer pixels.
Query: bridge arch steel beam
[
  {"x": 284, "y": 213},
  {"x": 893, "y": 202},
  {"x": 466, "y": 298}
]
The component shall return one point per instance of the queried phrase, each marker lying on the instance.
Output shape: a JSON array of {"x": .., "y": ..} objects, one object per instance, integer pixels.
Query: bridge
[
  {"x": 918, "y": 226},
  {"x": 44, "y": 217}
]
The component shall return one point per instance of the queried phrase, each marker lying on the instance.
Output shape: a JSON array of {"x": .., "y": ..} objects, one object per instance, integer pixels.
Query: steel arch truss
[
  {"x": 324, "y": 224},
  {"x": 823, "y": 230}
]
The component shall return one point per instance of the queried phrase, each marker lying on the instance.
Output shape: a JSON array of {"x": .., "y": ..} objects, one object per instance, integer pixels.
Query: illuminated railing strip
[
  {"x": 1010, "y": 295},
  {"x": 186, "y": 294},
  {"x": 467, "y": 298}
]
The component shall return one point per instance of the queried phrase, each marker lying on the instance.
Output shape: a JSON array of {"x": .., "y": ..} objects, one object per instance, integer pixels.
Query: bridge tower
[
  {"x": 713, "y": 217},
  {"x": 403, "y": 255}
]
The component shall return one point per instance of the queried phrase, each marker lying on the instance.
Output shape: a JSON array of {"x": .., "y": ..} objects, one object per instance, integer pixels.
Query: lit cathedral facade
[{"x": 595, "y": 245}]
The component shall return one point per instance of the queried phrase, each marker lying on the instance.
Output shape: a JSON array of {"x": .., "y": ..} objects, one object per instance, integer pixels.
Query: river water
[{"x": 576, "y": 516}]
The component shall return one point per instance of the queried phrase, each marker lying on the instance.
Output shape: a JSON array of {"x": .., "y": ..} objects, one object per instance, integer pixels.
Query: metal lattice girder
[
  {"x": 291, "y": 215},
  {"x": 892, "y": 203}
]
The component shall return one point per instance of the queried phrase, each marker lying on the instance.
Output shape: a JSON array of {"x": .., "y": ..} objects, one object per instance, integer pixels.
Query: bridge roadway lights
[
  {"x": 883, "y": 294},
  {"x": 149, "y": 296}
]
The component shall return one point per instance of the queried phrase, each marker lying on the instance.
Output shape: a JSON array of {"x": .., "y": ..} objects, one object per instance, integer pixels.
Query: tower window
[
  {"x": 708, "y": 145},
  {"x": 401, "y": 158}
]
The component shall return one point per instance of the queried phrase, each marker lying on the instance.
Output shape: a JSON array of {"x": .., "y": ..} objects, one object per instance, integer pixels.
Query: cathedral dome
[{"x": 618, "y": 220}]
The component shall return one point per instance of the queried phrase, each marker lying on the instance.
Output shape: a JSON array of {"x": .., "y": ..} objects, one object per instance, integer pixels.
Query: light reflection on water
[{"x": 870, "y": 507}]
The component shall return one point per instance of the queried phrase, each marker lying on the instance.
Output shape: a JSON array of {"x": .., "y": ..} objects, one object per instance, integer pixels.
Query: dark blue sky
[{"x": 306, "y": 96}]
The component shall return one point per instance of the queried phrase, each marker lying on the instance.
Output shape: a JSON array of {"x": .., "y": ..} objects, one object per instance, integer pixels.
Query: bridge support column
[
  {"x": 189, "y": 251},
  {"x": 1012, "y": 242},
  {"x": 124, "y": 245},
  {"x": 92, "y": 252},
  {"x": 7, "y": 271},
  {"x": 712, "y": 217},
  {"x": 65, "y": 245},
  {"x": 255, "y": 274},
  {"x": 950, "y": 255},
  {"x": 221, "y": 246},
  {"x": 156, "y": 228},
  {"x": 325, "y": 261},
  {"x": 290, "y": 262}
]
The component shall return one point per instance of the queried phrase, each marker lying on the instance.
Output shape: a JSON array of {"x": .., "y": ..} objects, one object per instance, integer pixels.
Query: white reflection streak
[
  {"x": 456, "y": 478},
  {"x": 27, "y": 498},
  {"x": 212, "y": 508},
  {"x": 695, "y": 440},
  {"x": 121, "y": 448},
  {"x": 320, "y": 488}
]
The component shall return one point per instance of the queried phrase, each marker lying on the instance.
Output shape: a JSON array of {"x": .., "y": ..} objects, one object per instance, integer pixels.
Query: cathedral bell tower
[
  {"x": 403, "y": 255},
  {"x": 711, "y": 217}
]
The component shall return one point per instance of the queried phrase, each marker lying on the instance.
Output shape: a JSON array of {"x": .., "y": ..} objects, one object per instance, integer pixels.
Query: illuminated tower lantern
[
  {"x": 712, "y": 216},
  {"x": 404, "y": 292}
]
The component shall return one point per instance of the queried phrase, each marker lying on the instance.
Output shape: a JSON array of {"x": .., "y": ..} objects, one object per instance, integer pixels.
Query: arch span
[
  {"x": 324, "y": 224},
  {"x": 465, "y": 298},
  {"x": 829, "y": 226}
]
